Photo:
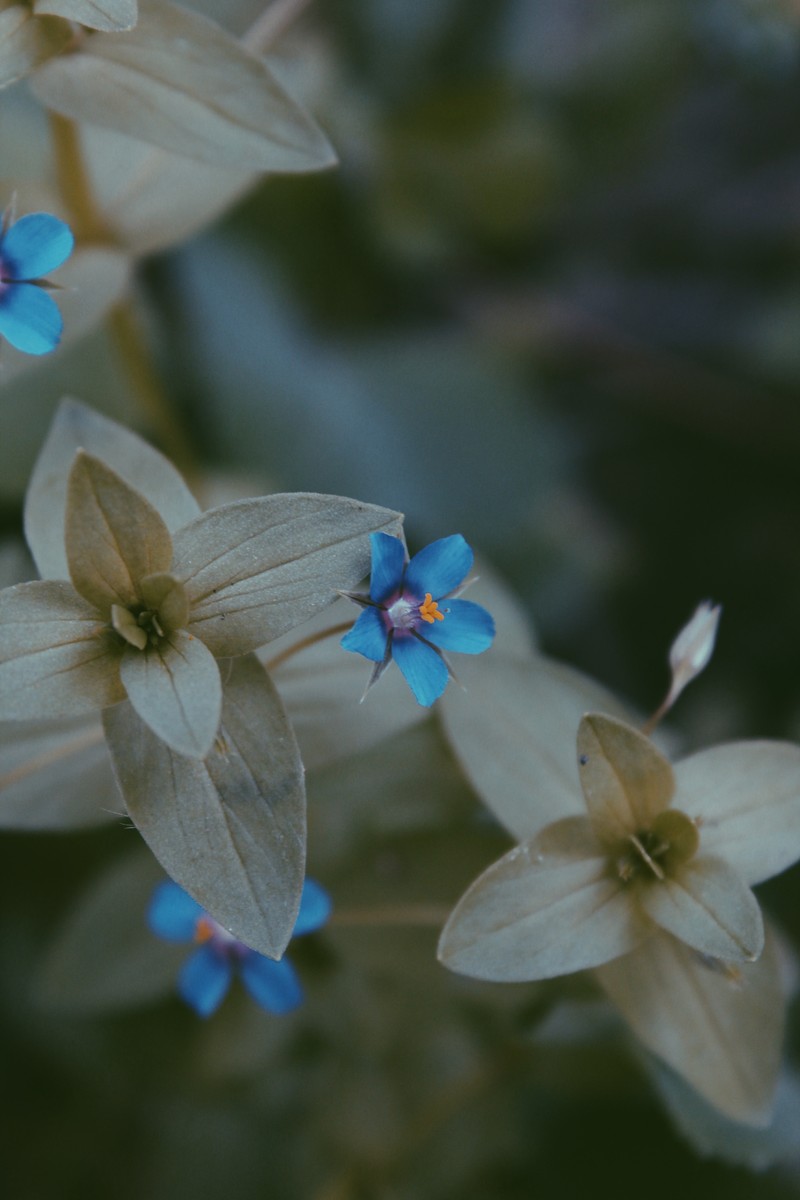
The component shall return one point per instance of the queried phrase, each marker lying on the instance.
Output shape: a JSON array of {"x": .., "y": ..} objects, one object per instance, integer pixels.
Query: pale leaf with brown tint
[
  {"x": 719, "y": 1027},
  {"x": 746, "y": 799},
  {"x": 514, "y": 731},
  {"x": 76, "y": 426},
  {"x": 55, "y": 658},
  {"x": 114, "y": 537},
  {"x": 625, "y": 780},
  {"x": 179, "y": 81},
  {"x": 255, "y": 568},
  {"x": 239, "y": 846},
  {"x": 106, "y": 15},
  {"x": 56, "y": 775},
  {"x": 151, "y": 198},
  {"x": 546, "y": 908},
  {"x": 175, "y": 688},
  {"x": 708, "y": 905},
  {"x": 27, "y": 41}
]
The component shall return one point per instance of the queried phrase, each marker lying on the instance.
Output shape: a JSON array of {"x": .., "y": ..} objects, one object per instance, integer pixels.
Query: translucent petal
[
  {"x": 176, "y": 689},
  {"x": 745, "y": 797},
  {"x": 466, "y": 628},
  {"x": 204, "y": 980},
  {"x": 709, "y": 906},
  {"x": 721, "y": 1029},
  {"x": 424, "y": 671},
  {"x": 173, "y": 913},
  {"x": 29, "y": 318},
  {"x": 439, "y": 568},
  {"x": 56, "y": 660},
  {"x": 273, "y": 985},
  {"x": 547, "y": 908},
  {"x": 368, "y": 636},
  {"x": 388, "y": 561},
  {"x": 315, "y": 908},
  {"x": 35, "y": 245},
  {"x": 626, "y": 782}
]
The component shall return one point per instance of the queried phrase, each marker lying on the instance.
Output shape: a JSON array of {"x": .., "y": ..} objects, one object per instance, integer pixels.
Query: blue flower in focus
[
  {"x": 406, "y": 618},
  {"x": 29, "y": 249},
  {"x": 207, "y": 973}
]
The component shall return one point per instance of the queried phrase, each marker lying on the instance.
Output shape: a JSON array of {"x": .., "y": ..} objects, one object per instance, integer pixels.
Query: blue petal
[
  {"x": 273, "y": 985},
  {"x": 466, "y": 627},
  {"x": 204, "y": 980},
  {"x": 388, "y": 560},
  {"x": 424, "y": 671},
  {"x": 34, "y": 245},
  {"x": 29, "y": 318},
  {"x": 439, "y": 568},
  {"x": 315, "y": 908},
  {"x": 368, "y": 636},
  {"x": 173, "y": 913}
]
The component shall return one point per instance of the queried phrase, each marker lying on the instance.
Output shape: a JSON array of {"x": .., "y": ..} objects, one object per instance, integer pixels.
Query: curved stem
[
  {"x": 311, "y": 640},
  {"x": 151, "y": 396},
  {"x": 74, "y": 183},
  {"x": 422, "y": 915},
  {"x": 271, "y": 24}
]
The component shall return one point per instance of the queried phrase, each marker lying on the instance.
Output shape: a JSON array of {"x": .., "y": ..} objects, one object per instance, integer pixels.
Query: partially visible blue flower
[
  {"x": 29, "y": 249},
  {"x": 206, "y": 975},
  {"x": 403, "y": 620}
]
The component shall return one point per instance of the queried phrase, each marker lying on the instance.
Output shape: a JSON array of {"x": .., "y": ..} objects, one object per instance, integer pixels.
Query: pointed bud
[{"x": 693, "y": 647}]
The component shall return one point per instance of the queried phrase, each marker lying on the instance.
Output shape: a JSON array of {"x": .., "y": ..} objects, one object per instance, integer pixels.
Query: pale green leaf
[
  {"x": 56, "y": 775},
  {"x": 229, "y": 829},
  {"x": 255, "y": 568},
  {"x": 514, "y": 732},
  {"x": 77, "y": 427},
  {"x": 708, "y": 906},
  {"x": 179, "y": 81},
  {"x": 56, "y": 658},
  {"x": 26, "y": 41},
  {"x": 176, "y": 689},
  {"x": 548, "y": 907},
  {"x": 626, "y": 781},
  {"x": 105, "y": 15},
  {"x": 720, "y": 1028},
  {"x": 114, "y": 537},
  {"x": 746, "y": 799},
  {"x": 104, "y": 956}
]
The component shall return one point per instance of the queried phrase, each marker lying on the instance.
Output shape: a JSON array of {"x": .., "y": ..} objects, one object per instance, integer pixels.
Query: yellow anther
[
  {"x": 203, "y": 930},
  {"x": 429, "y": 610}
]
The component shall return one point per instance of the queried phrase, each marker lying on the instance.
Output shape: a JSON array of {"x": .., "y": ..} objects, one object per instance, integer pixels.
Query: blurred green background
[{"x": 550, "y": 299}]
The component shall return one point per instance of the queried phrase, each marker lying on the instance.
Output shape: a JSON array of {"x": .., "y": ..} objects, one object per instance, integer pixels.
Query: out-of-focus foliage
[{"x": 549, "y": 299}]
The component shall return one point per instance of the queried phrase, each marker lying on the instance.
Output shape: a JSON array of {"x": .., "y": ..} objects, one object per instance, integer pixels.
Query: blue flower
[
  {"x": 207, "y": 973},
  {"x": 29, "y": 248},
  {"x": 402, "y": 618}
]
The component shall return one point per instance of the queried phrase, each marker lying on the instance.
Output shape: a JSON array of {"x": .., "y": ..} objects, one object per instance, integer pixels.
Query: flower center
[
  {"x": 429, "y": 610},
  {"x": 206, "y": 929},
  {"x": 162, "y": 608},
  {"x": 656, "y": 852}
]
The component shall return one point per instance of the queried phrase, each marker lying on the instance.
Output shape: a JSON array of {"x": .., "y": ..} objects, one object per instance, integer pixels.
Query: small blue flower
[
  {"x": 29, "y": 248},
  {"x": 207, "y": 973},
  {"x": 402, "y": 619}
]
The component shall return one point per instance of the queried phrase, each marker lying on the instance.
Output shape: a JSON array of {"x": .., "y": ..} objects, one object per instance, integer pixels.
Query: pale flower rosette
[
  {"x": 643, "y": 872},
  {"x": 148, "y": 611}
]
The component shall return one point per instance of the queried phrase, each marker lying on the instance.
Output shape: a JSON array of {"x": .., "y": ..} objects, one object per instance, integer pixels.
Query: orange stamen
[
  {"x": 429, "y": 610},
  {"x": 203, "y": 930}
]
